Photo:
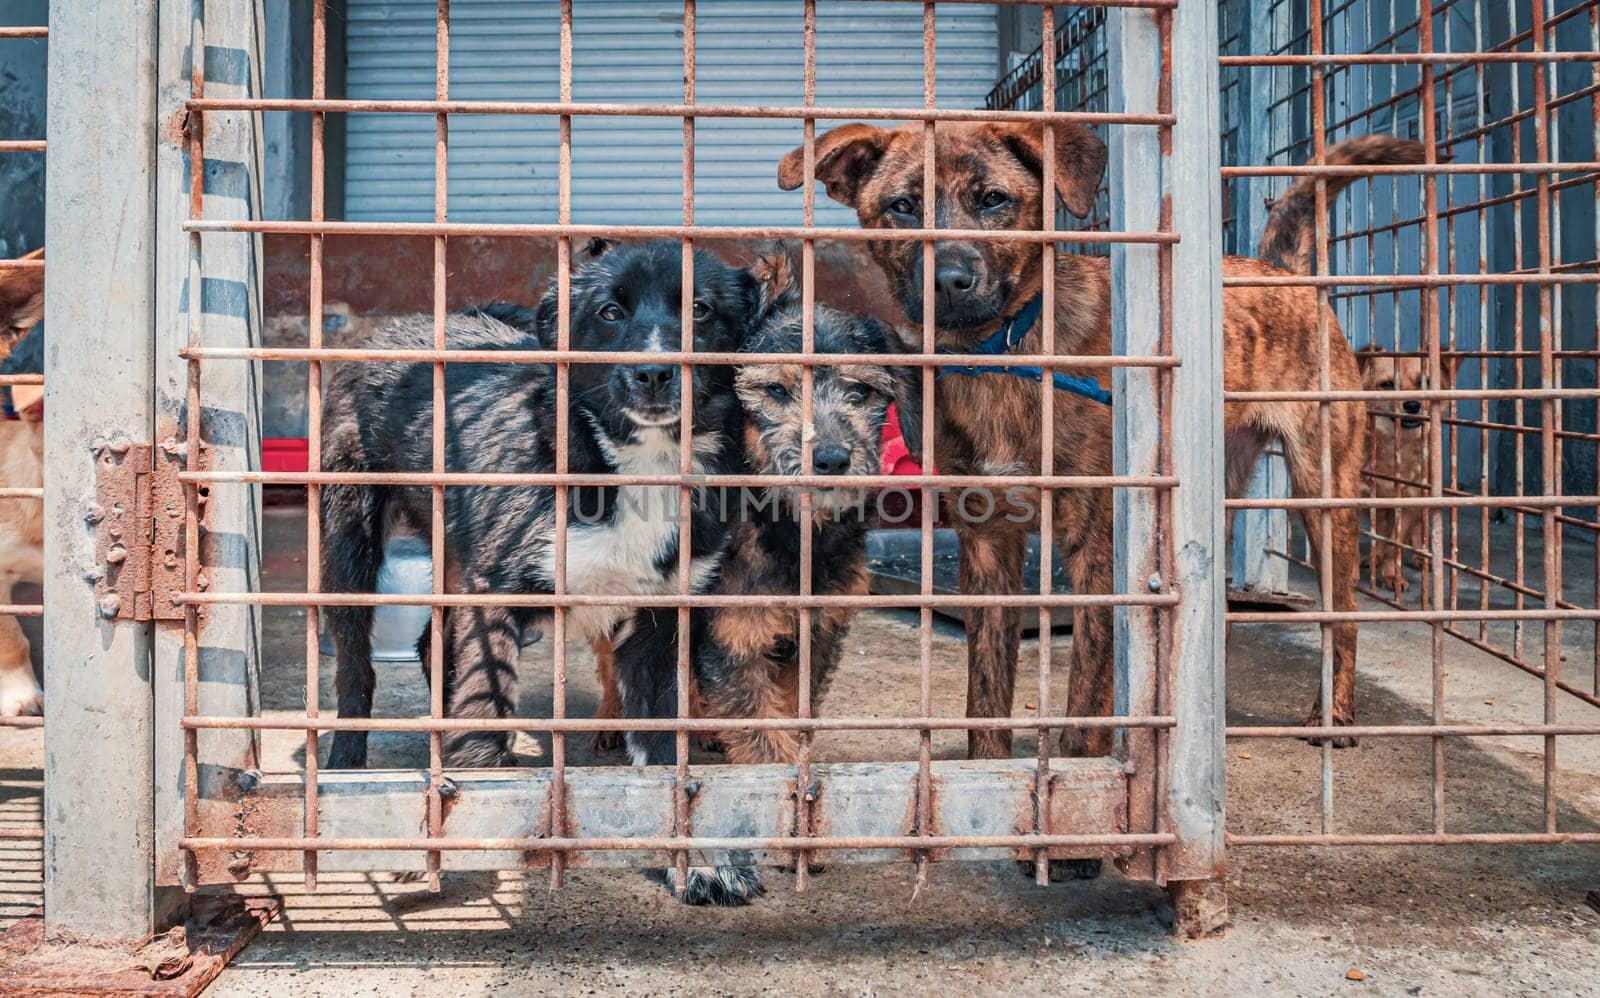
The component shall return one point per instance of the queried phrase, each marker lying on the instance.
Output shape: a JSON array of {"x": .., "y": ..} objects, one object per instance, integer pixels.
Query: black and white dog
[{"x": 501, "y": 417}]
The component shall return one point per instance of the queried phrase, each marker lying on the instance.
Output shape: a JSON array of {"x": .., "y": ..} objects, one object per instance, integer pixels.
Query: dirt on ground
[{"x": 1391, "y": 920}]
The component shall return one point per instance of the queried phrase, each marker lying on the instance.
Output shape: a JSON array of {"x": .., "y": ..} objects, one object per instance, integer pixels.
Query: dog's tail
[{"x": 1287, "y": 241}]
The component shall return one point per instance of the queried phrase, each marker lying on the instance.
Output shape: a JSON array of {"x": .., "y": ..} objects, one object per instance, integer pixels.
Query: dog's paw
[
  {"x": 1064, "y": 870},
  {"x": 1337, "y": 741},
  {"x": 20, "y": 695},
  {"x": 1392, "y": 579},
  {"x": 720, "y": 886},
  {"x": 605, "y": 741}
]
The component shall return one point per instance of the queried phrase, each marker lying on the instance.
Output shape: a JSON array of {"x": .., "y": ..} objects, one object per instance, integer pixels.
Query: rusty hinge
[{"x": 137, "y": 518}]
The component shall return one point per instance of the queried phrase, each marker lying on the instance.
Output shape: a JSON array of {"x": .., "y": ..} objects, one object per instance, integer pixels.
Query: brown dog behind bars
[
  {"x": 990, "y": 177},
  {"x": 21, "y": 467},
  {"x": 1399, "y": 464}
]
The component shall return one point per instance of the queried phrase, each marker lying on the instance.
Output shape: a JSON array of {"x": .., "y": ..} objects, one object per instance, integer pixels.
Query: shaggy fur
[
  {"x": 746, "y": 659},
  {"x": 622, "y": 419},
  {"x": 989, "y": 177}
]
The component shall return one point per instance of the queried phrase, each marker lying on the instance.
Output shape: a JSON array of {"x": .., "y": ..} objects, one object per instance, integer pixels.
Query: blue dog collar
[{"x": 1007, "y": 338}]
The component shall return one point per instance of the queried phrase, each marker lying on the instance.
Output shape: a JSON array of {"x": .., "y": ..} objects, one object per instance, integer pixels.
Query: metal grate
[
  {"x": 1479, "y": 261},
  {"x": 289, "y": 823}
]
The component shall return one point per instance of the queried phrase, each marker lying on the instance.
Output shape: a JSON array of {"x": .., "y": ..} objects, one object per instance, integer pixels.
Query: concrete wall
[{"x": 22, "y": 116}]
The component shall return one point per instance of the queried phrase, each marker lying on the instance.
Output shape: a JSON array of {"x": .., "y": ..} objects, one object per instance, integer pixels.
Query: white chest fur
[{"x": 621, "y": 555}]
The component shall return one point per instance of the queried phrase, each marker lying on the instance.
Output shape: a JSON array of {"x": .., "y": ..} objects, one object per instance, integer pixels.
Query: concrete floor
[{"x": 1460, "y": 920}]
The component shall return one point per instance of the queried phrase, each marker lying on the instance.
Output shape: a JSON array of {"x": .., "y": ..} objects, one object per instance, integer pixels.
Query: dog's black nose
[
  {"x": 831, "y": 459},
  {"x": 1412, "y": 406},
  {"x": 953, "y": 276},
  {"x": 654, "y": 376}
]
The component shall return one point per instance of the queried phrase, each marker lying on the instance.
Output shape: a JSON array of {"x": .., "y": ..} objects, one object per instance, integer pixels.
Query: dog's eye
[
  {"x": 777, "y": 391},
  {"x": 1387, "y": 386},
  {"x": 612, "y": 312},
  {"x": 994, "y": 199},
  {"x": 702, "y": 310},
  {"x": 903, "y": 206}
]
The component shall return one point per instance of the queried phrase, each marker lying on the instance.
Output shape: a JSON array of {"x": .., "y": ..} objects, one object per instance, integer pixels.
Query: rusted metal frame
[
  {"x": 22, "y": 264},
  {"x": 602, "y": 109},
  {"x": 930, "y": 188},
  {"x": 1594, "y": 111},
  {"x": 1331, "y": 59},
  {"x": 805, "y": 795},
  {"x": 680, "y": 790},
  {"x": 709, "y": 232},
  {"x": 1390, "y": 170},
  {"x": 511, "y": 479},
  {"x": 24, "y": 31},
  {"x": 650, "y": 356},
  {"x": 1455, "y": 565},
  {"x": 23, "y": 722},
  {"x": 1437, "y": 395},
  {"x": 190, "y": 875},
  {"x": 1047, "y": 441},
  {"x": 812, "y": 843},
  {"x": 1409, "y": 283},
  {"x": 1530, "y": 505},
  {"x": 1127, "y": 4},
  {"x": 1550, "y": 409},
  {"x": 1480, "y": 142},
  {"x": 558, "y": 826},
  {"x": 1437, "y": 730},
  {"x": 1419, "y": 839},
  {"x": 1484, "y": 645},
  {"x": 1430, "y": 334},
  {"x": 976, "y": 816},
  {"x": 314, "y": 292},
  {"x": 1407, "y": 616},
  {"x": 1471, "y": 208},
  {"x": 1521, "y": 115},
  {"x": 1325, "y": 579},
  {"x": 436, "y": 425},
  {"x": 22, "y": 145},
  {"x": 1519, "y": 333},
  {"x": 573, "y": 724}
]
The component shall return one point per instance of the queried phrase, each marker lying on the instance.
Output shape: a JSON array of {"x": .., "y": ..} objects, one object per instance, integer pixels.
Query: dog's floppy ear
[
  {"x": 846, "y": 157},
  {"x": 1080, "y": 159},
  {"x": 776, "y": 283}
]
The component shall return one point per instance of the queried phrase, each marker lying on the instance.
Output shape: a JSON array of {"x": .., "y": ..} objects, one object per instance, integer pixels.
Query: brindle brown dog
[{"x": 990, "y": 177}]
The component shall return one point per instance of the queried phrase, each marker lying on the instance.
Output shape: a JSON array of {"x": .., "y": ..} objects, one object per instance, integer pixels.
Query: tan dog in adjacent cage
[
  {"x": 21, "y": 467},
  {"x": 989, "y": 176},
  {"x": 1399, "y": 464}
]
